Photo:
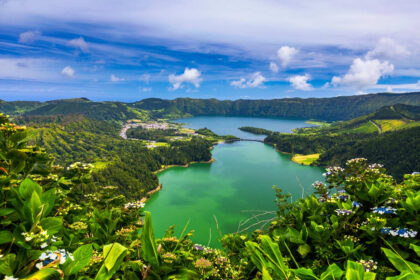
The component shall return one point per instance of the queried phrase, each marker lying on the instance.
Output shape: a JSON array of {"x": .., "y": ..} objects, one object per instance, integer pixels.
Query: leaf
[
  {"x": 399, "y": 263},
  {"x": 48, "y": 199},
  {"x": 27, "y": 187},
  {"x": 6, "y": 211},
  {"x": 114, "y": 255},
  {"x": 405, "y": 276},
  {"x": 45, "y": 274},
  {"x": 7, "y": 264},
  {"x": 265, "y": 274},
  {"x": 333, "y": 272},
  {"x": 148, "y": 241},
  {"x": 305, "y": 274},
  {"x": 82, "y": 258},
  {"x": 112, "y": 252},
  {"x": 52, "y": 224},
  {"x": 416, "y": 249},
  {"x": 356, "y": 271},
  {"x": 304, "y": 249},
  {"x": 5, "y": 237}
]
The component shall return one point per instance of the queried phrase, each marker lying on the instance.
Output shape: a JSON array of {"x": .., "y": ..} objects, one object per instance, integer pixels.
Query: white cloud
[
  {"x": 363, "y": 73},
  {"x": 145, "y": 78},
  {"x": 29, "y": 37},
  {"x": 300, "y": 82},
  {"x": 286, "y": 54},
  {"x": 28, "y": 69},
  {"x": 190, "y": 75},
  {"x": 79, "y": 43},
  {"x": 68, "y": 71},
  {"x": 274, "y": 67},
  {"x": 146, "y": 89},
  {"x": 391, "y": 87},
  {"x": 116, "y": 79},
  {"x": 387, "y": 48},
  {"x": 256, "y": 80}
]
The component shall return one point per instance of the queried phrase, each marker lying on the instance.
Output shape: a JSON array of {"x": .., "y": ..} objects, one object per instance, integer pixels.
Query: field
[{"x": 305, "y": 159}]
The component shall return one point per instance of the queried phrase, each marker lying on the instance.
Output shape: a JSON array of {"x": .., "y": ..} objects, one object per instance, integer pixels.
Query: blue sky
[{"x": 130, "y": 50}]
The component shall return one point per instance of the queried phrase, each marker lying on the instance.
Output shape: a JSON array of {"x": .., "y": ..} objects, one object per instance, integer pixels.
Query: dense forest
[
  {"x": 329, "y": 109},
  {"x": 256, "y": 130},
  {"x": 127, "y": 164}
]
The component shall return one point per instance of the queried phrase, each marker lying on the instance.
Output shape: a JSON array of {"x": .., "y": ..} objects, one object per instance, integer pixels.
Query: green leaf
[
  {"x": 112, "y": 252},
  {"x": 7, "y": 264},
  {"x": 5, "y": 237},
  {"x": 356, "y": 271},
  {"x": 399, "y": 263},
  {"x": 6, "y": 211},
  {"x": 416, "y": 249},
  {"x": 405, "y": 276},
  {"x": 44, "y": 274},
  {"x": 35, "y": 205},
  {"x": 48, "y": 199},
  {"x": 52, "y": 224},
  {"x": 114, "y": 255},
  {"x": 265, "y": 274},
  {"x": 304, "y": 249},
  {"x": 148, "y": 242},
  {"x": 27, "y": 187},
  {"x": 82, "y": 258},
  {"x": 305, "y": 274},
  {"x": 333, "y": 272}
]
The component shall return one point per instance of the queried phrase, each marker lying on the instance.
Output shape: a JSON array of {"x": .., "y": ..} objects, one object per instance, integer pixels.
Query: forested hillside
[
  {"x": 127, "y": 164},
  {"x": 329, "y": 109},
  {"x": 390, "y": 136}
]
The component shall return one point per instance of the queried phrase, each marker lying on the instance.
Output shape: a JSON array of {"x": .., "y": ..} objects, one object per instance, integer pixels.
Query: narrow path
[{"x": 377, "y": 126}]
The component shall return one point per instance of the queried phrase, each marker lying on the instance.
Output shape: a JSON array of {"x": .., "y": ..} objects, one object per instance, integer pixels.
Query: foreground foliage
[{"x": 359, "y": 225}]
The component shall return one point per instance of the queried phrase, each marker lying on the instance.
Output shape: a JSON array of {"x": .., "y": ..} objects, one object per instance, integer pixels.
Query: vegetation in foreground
[{"x": 361, "y": 224}]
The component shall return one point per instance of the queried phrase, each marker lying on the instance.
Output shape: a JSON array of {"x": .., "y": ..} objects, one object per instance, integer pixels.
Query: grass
[
  {"x": 305, "y": 159},
  {"x": 387, "y": 125},
  {"x": 320, "y": 123}
]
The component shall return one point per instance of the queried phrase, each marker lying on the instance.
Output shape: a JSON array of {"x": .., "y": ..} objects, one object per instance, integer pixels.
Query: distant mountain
[{"x": 329, "y": 109}]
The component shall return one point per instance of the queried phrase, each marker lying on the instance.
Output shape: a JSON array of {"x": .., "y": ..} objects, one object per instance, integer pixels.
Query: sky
[{"x": 128, "y": 50}]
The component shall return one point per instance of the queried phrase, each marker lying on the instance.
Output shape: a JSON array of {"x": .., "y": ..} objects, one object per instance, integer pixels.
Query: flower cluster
[
  {"x": 203, "y": 263},
  {"x": 168, "y": 257},
  {"x": 369, "y": 265},
  {"x": 402, "y": 232},
  {"x": 356, "y": 204},
  {"x": 333, "y": 170},
  {"x": 48, "y": 257},
  {"x": 343, "y": 212},
  {"x": 41, "y": 239},
  {"x": 384, "y": 210},
  {"x": 352, "y": 238},
  {"x": 78, "y": 226},
  {"x": 134, "y": 205}
]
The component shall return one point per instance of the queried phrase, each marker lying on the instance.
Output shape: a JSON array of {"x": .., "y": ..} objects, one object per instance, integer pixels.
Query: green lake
[{"x": 236, "y": 186}]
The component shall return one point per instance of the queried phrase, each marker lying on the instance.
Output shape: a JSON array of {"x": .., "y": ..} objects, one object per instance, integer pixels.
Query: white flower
[
  {"x": 43, "y": 245},
  {"x": 39, "y": 265},
  {"x": 10, "y": 278}
]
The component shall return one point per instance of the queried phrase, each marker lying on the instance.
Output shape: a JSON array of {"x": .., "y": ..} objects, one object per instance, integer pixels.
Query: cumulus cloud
[
  {"x": 300, "y": 82},
  {"x": 363, "y": 73},
  {"x": 286, "y": 54},
  {"x": 116, "y": 79},
  {"x": 29, "y": 37},
  {"x": 256, "y": 80},
  {"x": 190, "y": 75},
  {"x": 274, "y": 67},
  {"x": 387, "y": 48},
  {"x": 68, "y": 72},
  {"x": 79, "y": 43},
  {"x": 145, "y": 78}
]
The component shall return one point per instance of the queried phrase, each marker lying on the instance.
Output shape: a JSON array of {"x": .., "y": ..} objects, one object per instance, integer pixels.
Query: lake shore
[{"x": 185, "y": 166}]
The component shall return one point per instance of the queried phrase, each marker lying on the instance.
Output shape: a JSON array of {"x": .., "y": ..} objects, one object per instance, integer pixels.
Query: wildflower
[
  {"x": 384, "y": 210},
  {"x": 203, "y": 263},
  {"x": 318, "y": 185},
  {"x": 10, "y": 278},
  {"x": 343, "y": 212},
  {"x": 369, "y": 265},
  {"x": 168, "y": 257},
  {"x": 134, "y": 205},
  {"x": 198, "y": 247},
  {"x": 343, "y": 197},
  {"x": 48, "y": 257},
  {"x": 401, "y": 232},
  {"x": 44, "y": 245},
  {"x": 352, "y": 238},
  {"x": 356, "y": 204}
]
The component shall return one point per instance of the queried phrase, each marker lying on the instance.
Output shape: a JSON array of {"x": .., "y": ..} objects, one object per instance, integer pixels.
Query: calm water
[
  {"x": 232, "y": 189},
  {"x": 229, "y": 125}
]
